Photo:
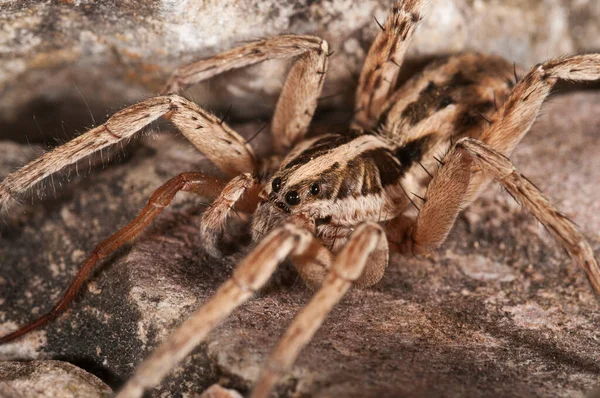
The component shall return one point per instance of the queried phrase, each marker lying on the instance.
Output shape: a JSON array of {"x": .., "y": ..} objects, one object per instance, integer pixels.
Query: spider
[{"x": 337, "y": 203}]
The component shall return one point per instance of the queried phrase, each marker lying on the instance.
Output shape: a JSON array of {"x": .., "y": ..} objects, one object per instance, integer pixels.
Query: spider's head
[
  {"x": 294, "y": 198},
  {"x": 284, "y": 197}
]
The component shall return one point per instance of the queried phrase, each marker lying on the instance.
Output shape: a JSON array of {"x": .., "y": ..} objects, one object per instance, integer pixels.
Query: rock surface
[
  {"x": 499, "y": 310},
  {"x": 59, "y": 58},
  {"x": 48, "y": 379}
]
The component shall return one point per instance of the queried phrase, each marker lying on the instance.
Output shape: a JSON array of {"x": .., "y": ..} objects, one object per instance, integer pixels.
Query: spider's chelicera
[{"x": 337, "y": 203}]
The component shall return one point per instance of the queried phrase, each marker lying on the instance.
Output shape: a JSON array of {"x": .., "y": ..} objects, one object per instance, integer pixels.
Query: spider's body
[
  {"x": 335, "y": 204},
  {"x": 375, "y": 173}
]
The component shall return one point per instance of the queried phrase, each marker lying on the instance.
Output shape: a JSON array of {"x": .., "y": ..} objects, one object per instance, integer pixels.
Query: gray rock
[
  {"x": 499, "y": 310},
  {"x": 59, "y": 58},
  {"x": 48, "y": 379}
]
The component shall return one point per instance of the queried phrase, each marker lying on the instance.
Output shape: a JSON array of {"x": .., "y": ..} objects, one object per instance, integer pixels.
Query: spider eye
[
  {"x": 276, "y": 184},
  {"x": 315, "y": 188},
  {"x": 292, "y": 198}
]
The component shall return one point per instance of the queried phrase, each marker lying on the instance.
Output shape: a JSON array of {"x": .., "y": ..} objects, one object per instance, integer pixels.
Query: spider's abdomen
[{"x": 452, "y": 96}]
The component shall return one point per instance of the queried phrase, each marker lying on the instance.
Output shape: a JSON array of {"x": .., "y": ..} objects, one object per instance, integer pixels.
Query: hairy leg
[
  {"x": 240, "y": 193},
  {"x": 518, "y": 113},
  {"x": 516, "y": 116},
  {"x": 348, "y": 268},
  {"x": 298, "y": 99},
  {"x": 249, "y": 276},
  {"x": 228, "y": 150},
  {"x": 187, "y": 182},
  {"x": 382, "y": 65},
  {"x": 464, "y": 173},
  {"x": 448, "y": 191}
]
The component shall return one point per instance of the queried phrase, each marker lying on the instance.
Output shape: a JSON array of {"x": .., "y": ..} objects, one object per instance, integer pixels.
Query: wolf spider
[{"x": 334, "y": 204}]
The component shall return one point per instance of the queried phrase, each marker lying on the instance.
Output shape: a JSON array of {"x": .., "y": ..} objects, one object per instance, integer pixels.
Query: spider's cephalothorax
[
  {"x": 376, "y": 173},
  {"x": 336, "y": 204}
]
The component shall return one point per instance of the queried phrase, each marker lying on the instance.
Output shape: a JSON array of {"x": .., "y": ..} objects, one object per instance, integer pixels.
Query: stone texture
[
  {"x": 48, "y": 379},
  {"x": 56, "y": 56},
  {"x": 499, "y": 310}
]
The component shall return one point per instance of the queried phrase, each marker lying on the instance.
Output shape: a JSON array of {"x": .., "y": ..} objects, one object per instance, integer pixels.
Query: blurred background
[{"x": 59, "y": 58}]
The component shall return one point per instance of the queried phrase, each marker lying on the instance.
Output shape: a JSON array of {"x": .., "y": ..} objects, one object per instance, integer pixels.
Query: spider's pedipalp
[
  {"x": 238, "y": 190},
  {"x": 348, "y": 268},
  {"x": 443, "y": 201},
  {"x": 249, "y": 276}
]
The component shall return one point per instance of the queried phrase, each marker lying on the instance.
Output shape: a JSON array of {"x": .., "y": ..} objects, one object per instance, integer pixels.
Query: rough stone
[
  {"x": 499, "y": 310},
  {"x": 59, "y": 58},
  {"x": 49, "y": 379}
]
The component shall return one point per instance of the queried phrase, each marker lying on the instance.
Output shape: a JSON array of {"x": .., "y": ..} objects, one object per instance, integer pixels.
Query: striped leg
[
  {"x": 227, "y": 149},
  {"x": 349, "y": 265},
  {"x": 187, "y": 182},
  {"x": 298, "y": 99},
  {"x": 518, "y": 113},
  {"x": 448, "y": 191},
  {"x": 382, "y": 65},
  {"x": 249, "y": 276}
]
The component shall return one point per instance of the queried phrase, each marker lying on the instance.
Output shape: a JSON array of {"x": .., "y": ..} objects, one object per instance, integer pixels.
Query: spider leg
[
  {"x": 518, "y": 113},
  {"x": 349, "y": 265},
  {"x": 249, "y": 276},
  {"x": 298, "y": 99},
  {"x": 516, "y": 116},
  {"x": 223, "y": 146},
  {"x": 194, "y": 182},
  {"x": 449, "y": 189},
  {"x": 382, "y": 65}
]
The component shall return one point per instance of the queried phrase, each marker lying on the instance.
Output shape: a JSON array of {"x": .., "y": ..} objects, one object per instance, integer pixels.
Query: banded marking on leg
[
  {"x": 348, "y": 267},
  {"x": 382, "y": 65},
  {"x": 249, "y": 276}
]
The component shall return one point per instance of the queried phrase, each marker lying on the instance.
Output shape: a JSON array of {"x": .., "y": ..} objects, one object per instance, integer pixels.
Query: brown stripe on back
[
  {"x": 351, "y": 178},
  {"x": 473, "y": 116},
  {"x": 412, "y": 152},
  {"x": 370, "y": 183},
  {"x": 434, "y": 97},
  {"x": 388, "y": 167},
  {"x": 465, "y": 81},
  {"x": 369, "y": 173},
  {"x": 320, "y": 148}
]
